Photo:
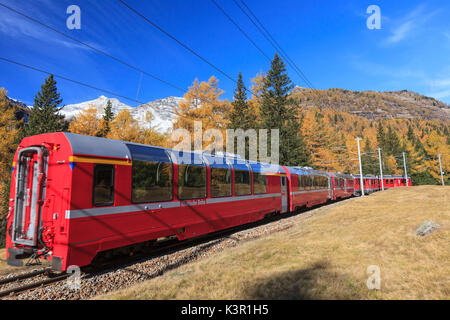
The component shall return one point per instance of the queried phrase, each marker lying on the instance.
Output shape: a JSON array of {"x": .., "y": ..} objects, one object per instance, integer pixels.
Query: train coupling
[{"x": 16, "y": 256}]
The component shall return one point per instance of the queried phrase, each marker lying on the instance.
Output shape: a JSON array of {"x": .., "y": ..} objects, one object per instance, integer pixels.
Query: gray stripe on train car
[
  {"x": 310, "y": 191},
  {"x": 240, "y": 198},
  {"x": 95, "y": 212}
]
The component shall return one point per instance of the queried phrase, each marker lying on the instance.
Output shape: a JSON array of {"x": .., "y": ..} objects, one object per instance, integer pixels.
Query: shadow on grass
[{"x": 312, "y": 283}]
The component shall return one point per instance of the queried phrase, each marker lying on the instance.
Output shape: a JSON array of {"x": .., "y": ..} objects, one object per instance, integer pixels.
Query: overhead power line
[
  {"x": 70, "y": 80},
  {"x": 240, "y": 29},
  {"x": 92, "y": 48},
  {"x": 180, "y": 43},
  {"x": 273, "y": 42}
]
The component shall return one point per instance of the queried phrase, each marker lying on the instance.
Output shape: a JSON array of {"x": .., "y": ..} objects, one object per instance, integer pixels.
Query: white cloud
[
  {"x": 15, "y": 26},
  {"x": 400, "y": 32},
  {"x": 409, "y": 25},
  {"x": 440, "y": 88}
]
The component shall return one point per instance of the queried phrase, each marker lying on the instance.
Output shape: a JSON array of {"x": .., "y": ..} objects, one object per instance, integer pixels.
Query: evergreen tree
[
  {"x": 381, "y": 138},
  {"x": 45, "y": 115},
  {"x": 392, "y": 143},
  {"x": 410, "y": 134},
  {"x": 108, "y": 117},
  {"x": 279, "y": 112},
  {"x": 370, "y": 164},
  {"x": 239, "y": 116}
]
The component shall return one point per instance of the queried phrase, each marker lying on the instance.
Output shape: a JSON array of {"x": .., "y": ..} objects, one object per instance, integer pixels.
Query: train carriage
[
  {"x": 309, "y": 187},
  {"x": 74, "y": 196},
  {"x": 396, "y": 181},
  {"x": 342, "y": 185}
]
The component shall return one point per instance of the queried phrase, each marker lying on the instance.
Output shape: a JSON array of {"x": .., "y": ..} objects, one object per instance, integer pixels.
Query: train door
[
  {"x": 331, "y": 188},
  {"x": 29, "y": 195},
  {"x": 284, "y": 195}
]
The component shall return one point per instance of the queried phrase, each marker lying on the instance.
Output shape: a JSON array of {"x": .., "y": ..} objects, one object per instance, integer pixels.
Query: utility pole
[
  {"x": 404, "y": 165},
  {"x": 440, "y": 167},
  {"x": 360, "y": 169},
  {"x": 381, "y": 169}
]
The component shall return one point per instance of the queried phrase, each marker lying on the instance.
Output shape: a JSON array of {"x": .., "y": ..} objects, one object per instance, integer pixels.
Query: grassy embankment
[{"x": 327, "y": 256}]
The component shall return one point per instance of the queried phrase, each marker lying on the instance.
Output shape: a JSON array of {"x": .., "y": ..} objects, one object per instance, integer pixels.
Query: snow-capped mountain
[{"x": 162, "y": 111}]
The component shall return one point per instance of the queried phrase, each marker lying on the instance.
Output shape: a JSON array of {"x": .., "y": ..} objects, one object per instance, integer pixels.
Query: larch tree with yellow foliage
[
  {"x": 435, "y": 145},
  {"x": 124, "y": 127},
  {"x": 201, "y": 103},
  {"x": 9, "y": 132},
  {"x": 88, "y": 123}
]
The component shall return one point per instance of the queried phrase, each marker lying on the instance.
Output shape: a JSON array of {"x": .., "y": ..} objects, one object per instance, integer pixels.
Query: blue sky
[{"x": 328, "y": 40}]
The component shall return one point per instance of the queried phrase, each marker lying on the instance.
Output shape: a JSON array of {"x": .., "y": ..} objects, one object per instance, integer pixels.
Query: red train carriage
[
  {"x": 74, "y": 196},
  {"x": 371, "y": 184},
  {"x": 342, "y": 185},
  {"x": 396, "y": 181},
  {"x": 308, "y": 187}
]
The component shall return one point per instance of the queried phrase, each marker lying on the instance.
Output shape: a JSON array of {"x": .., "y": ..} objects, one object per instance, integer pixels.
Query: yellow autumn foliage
[{"x": 88, "y": 123}]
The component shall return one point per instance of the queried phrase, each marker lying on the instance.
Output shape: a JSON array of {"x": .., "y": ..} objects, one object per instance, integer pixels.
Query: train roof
[
  {"x": 305, "y": 171},
  {"x": 101, "y": 147},
  {"x": 341, "y": 175},
  {"x": 378, "y": 177},
  {"x": 95, "y": 146}
]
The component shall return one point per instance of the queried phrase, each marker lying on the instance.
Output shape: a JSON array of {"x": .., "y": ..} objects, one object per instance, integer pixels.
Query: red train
[
  {"x": 372, "y": 183},
  {"x": 75, "y": 197}
]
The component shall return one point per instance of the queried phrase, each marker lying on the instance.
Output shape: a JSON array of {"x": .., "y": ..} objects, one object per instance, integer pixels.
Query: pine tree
[
  {"x": 279, "y": 112},
  {"x": 369, "y": 163},
  {"x": 239, "y": 116},
  {"x": 410, "y": 134},
  {"x": 381, "y": 137},
  {"x": 108, "y": 117},
  {"x": 45, "y": 115}
]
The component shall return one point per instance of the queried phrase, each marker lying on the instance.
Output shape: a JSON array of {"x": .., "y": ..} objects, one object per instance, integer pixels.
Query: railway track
[{"x": 50, "y": 278}]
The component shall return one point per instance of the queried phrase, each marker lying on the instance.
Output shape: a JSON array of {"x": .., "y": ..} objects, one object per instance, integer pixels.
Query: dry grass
[{"x": 326, "y": 256}]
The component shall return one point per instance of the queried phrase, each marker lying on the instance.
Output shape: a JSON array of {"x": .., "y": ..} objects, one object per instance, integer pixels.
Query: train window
[
  {"x": 242, "y": 182},
  {"x": 191, "y": 181},
  {"x": 294, "y": 183},
  {"x": 316, "y": 182},
  {"x": 220, "y": 182},
  {"x": 151, "y": 181},
  {"x": 309, "y": 182},
  {"x": 259, "y": 183},
  {"x": 103, "y": 194},
  {"x": 301, "y": 182}
]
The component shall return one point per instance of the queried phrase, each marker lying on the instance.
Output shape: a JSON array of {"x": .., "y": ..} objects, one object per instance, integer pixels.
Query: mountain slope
[
  {"x": 374, "y": 105},
  {"x": 21, "y": 110}
]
